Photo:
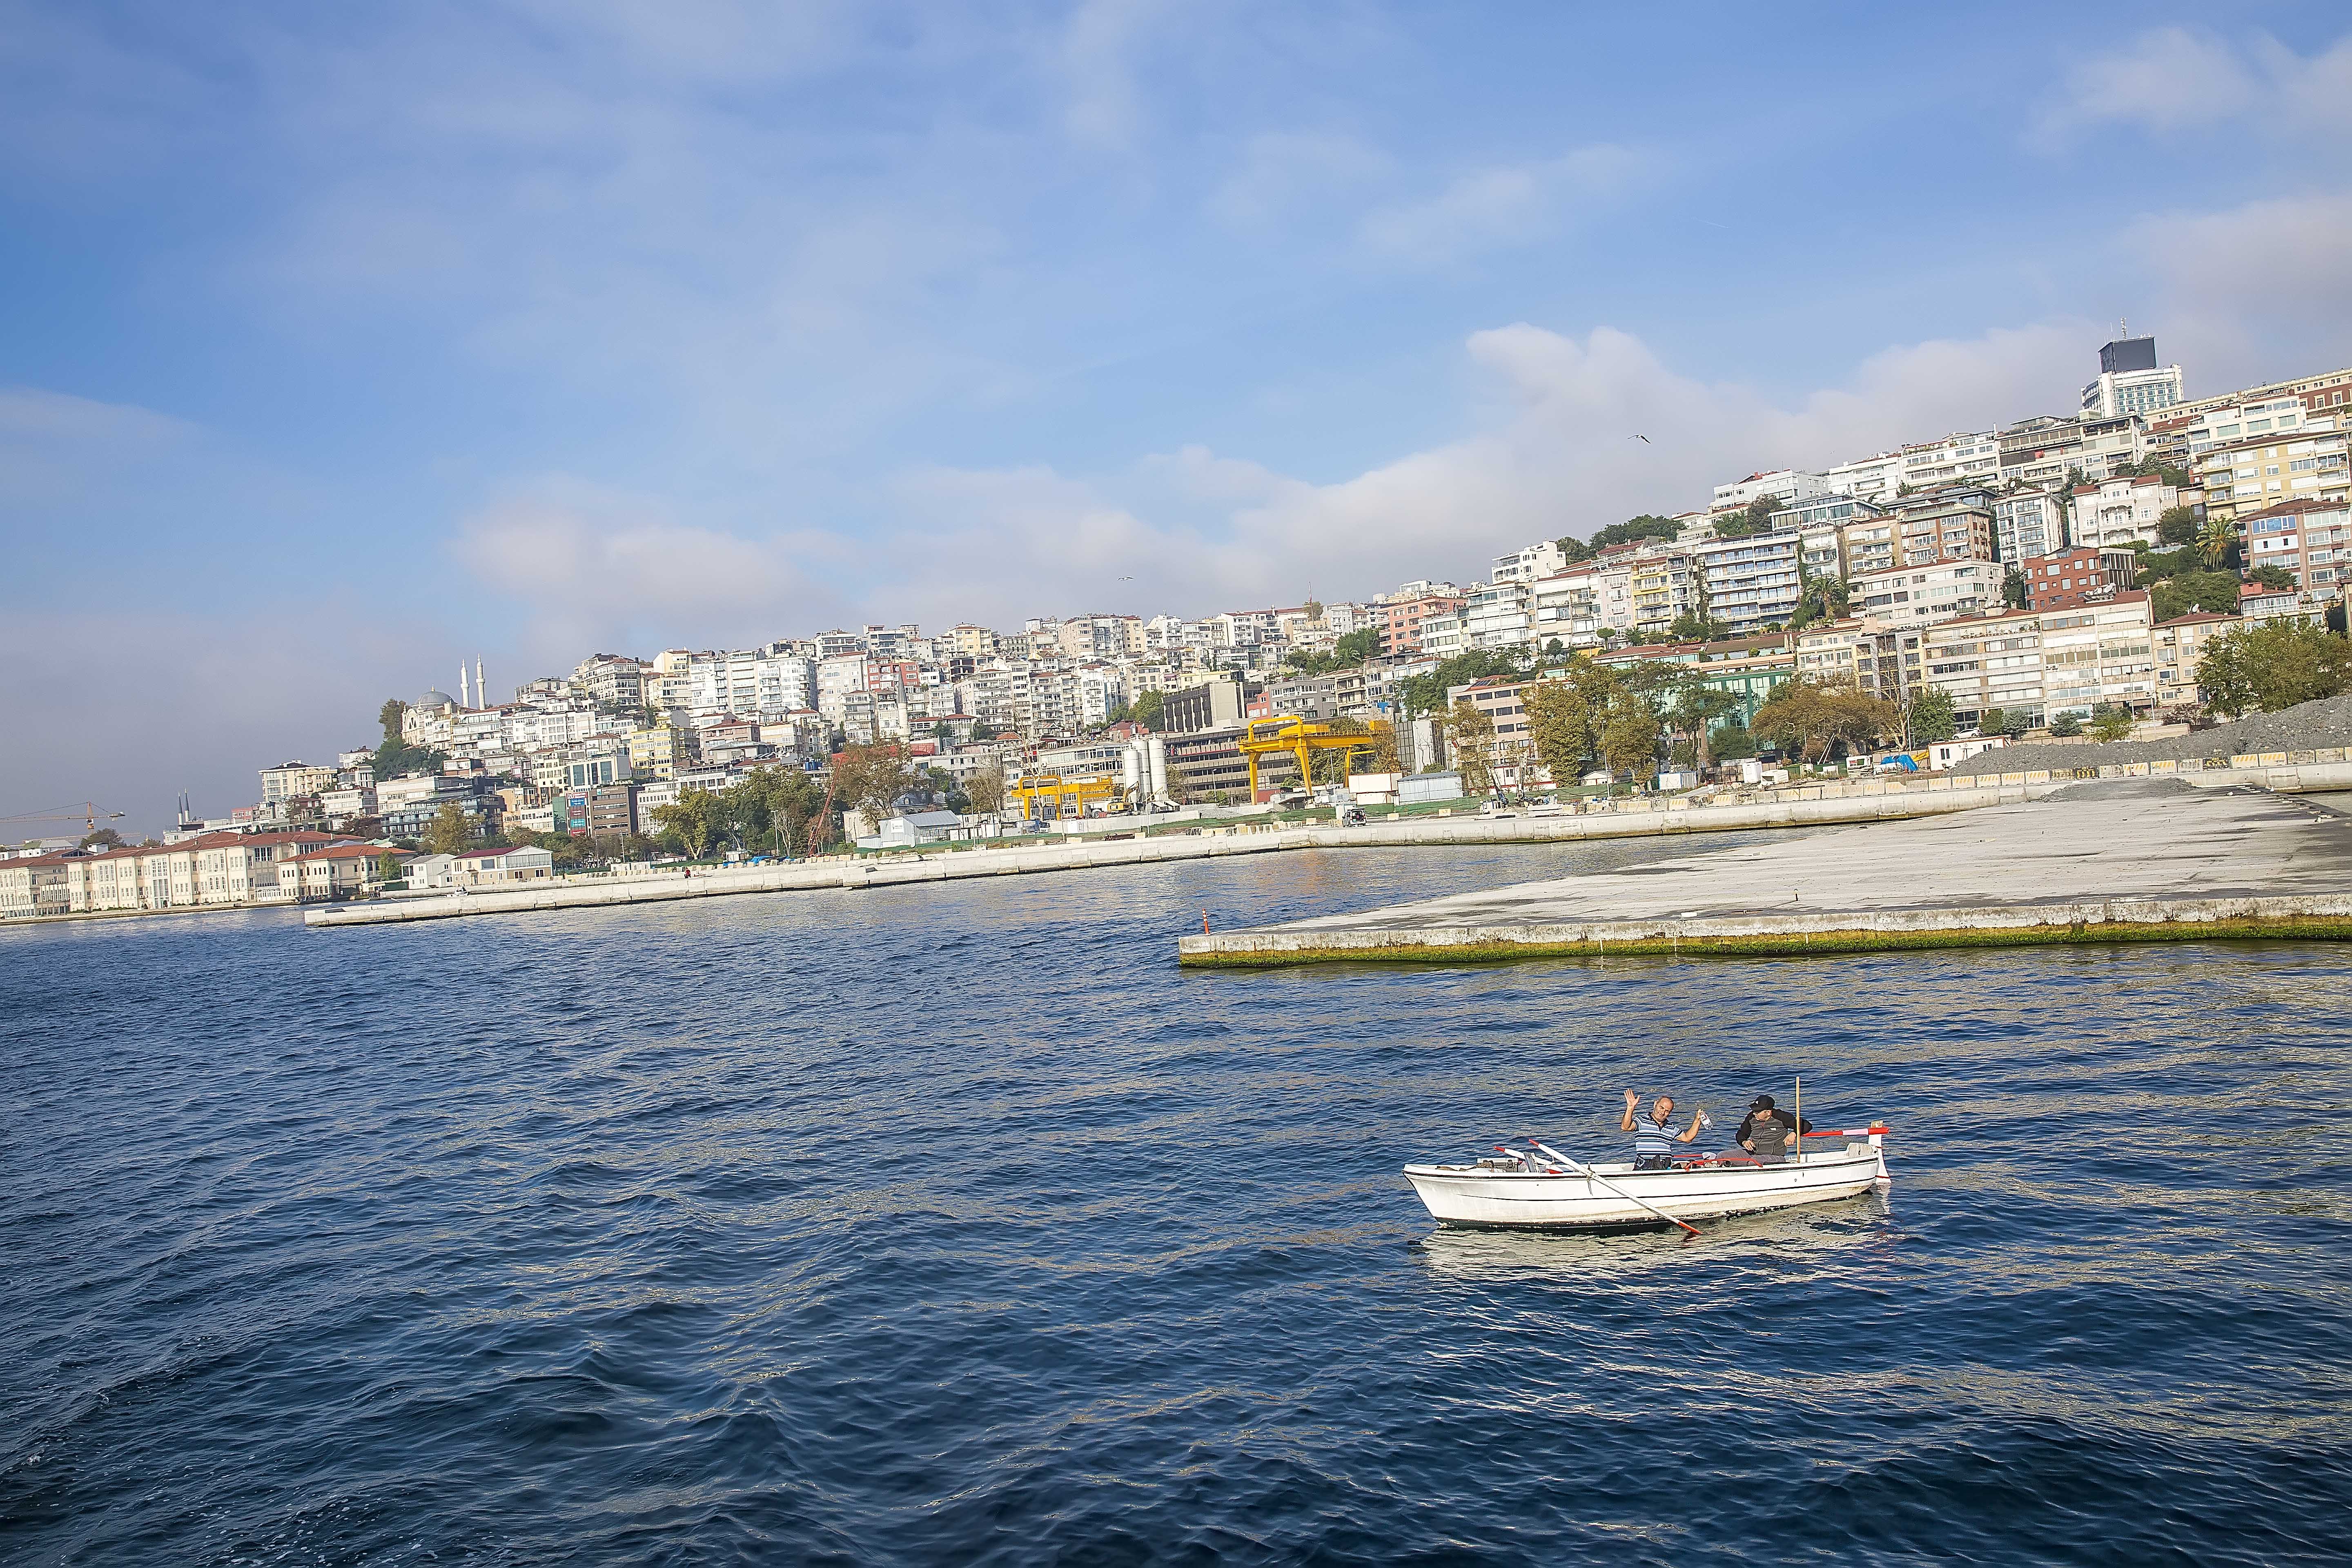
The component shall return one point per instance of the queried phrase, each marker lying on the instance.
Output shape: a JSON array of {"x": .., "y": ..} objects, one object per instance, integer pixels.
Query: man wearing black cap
[{"x": 1767, "y": 1133}]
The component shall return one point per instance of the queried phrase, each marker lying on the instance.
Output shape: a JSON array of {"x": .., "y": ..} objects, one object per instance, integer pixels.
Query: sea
[{"x": 957, "y": 1224}]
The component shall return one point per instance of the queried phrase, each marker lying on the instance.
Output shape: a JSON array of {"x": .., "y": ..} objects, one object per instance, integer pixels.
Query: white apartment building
[
  {"x": 1540, "y": 559},
  {"x": 1494, "y": 615},
  {"x": 2028, "y": 524},
  {"x": 1957, "y": 456},
  {"x": 2044, "y": 450},
  {"x": 1875, "y": 477},
  {"x": 1785, "y": 485},
  {"x": 2116, "y": 513},
  {"x": 1752, "y": 582},
  {"x": 1566, "y": 607},
  {"x": 1916, "y": 595},
  {"x": 1983, "y": 662},
  {"x": 288, "y": 781}
]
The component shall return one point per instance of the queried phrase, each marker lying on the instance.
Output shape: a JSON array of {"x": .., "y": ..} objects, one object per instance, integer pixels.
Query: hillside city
[{"x": 2145, "y": 561}]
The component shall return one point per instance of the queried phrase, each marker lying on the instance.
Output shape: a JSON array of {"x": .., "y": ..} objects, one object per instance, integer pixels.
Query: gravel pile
[{"x": 2310, "y": 727}]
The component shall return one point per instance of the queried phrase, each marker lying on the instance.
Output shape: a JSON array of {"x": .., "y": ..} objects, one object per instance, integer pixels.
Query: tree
[
  {"x": 870, "y": 779},
  {"x": 387, "y": 866},
  {"x": 2012, "y": 589},
  {"x": 1929, "y": 718},
  {"x": 1731, "y": 740},
  {"x": 2272, "y": 666},
  {"x": 2066, "y": 726},
  {"x": 692, "y": 823},
  {"x": 1150, "y": 709},
  {"x": 2111, "y": 722},
  {"x": 449, "y": 832},
  {"x": 1629, "y": 734},
  {"x": 1813, "y": 719},
  {"x": 102, "y": 838},
  {"x": 1992, "y": 722},
  {"x": 1565, "y": 716},
  {"x": 1646, "y": 526},
  {"x": 1344, "y": 653},
  {"x": 1696, "y": 706},
  {"x": 982, "y": 730},
  {"x": 390, "y": 716},
  {"x": 1554, "y": 649},
  {"x": 2217, "y": 541},
  {"x": 2176, "y": 596},
  {"x": 2178, "y": 525},
  {"x": 1696, "y": 626},
  {"x": 986, "y": 789},
  {"x": 1470, "y": 730},
  {"x": 2273, "y": 577}
]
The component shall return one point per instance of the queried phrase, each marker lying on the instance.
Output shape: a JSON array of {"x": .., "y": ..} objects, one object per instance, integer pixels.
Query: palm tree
[{"x": 2213, "y": 542}]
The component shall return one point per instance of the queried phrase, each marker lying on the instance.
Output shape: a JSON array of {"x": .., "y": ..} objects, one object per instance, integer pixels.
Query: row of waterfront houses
[{"x": 232, "y": 869}]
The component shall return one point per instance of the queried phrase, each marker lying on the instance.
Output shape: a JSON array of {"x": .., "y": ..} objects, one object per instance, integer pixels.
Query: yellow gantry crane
[
  {"x": 1059, "y": 798},
  {"x": 1301, "y": 737}
]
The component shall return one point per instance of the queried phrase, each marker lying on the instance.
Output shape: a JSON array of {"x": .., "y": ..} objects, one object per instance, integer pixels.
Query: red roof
[{"x": 351, "y": 852}]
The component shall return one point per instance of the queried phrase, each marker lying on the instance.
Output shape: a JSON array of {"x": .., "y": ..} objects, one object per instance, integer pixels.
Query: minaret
[
  {"x": 461, "y": 684},
  {"x": 481, "y": 687}
]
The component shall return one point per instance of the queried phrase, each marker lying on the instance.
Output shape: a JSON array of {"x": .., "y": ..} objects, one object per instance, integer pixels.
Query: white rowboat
[{"x": 1534, "y": 1192}]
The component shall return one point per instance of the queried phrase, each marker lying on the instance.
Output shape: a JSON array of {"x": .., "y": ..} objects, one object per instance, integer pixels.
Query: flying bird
[{"x": 1637, "y": 436}]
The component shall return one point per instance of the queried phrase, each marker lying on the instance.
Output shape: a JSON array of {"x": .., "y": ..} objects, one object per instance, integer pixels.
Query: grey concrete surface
[{"x": 2141, "y": 858}]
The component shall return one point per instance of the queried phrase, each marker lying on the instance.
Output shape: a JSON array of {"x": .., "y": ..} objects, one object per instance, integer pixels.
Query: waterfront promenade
[
  {"x": 2111, "y": 861},
  {"x": 1650, "y": 818}
]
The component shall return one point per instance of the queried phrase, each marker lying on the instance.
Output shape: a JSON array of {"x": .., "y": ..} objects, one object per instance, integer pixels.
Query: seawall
[{"x": 1816, "y": 808}]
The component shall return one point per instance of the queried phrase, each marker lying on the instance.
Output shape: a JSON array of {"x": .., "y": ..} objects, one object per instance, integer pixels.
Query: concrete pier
[
  {"x": 2121, "y": 860},
  {"x": 1870, "y": 803}
]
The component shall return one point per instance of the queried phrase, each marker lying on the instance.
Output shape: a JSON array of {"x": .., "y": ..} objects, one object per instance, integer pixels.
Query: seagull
[
  {"x": 1127, "y": 579},
  {"x": 1637, "y": 436}
]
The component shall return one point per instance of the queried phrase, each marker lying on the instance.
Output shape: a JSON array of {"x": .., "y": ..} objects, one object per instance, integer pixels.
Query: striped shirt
[{"x": 1653, "y": 1139}]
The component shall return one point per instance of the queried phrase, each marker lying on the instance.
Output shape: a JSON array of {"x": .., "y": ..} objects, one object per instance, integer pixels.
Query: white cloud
[
  {"x": 2179, "y": 78},
  {"x": 1503, "y": 205},
  {"x": 1281, "y": 174},
  {"x": 595, "y": 568},
  {"x": 1105, "y": 107},
  {"x": 2255, "y": 292}
]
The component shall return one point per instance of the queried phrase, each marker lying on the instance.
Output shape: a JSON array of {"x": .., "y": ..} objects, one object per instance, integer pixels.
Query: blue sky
[{"x": 342, "y": 341}]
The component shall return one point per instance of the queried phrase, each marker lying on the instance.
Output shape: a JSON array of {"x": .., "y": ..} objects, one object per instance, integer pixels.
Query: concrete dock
[{"x": 2131, "y": 859}]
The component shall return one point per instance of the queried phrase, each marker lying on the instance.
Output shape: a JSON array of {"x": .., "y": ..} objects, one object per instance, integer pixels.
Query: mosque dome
[{"x": 436, "y": 699}]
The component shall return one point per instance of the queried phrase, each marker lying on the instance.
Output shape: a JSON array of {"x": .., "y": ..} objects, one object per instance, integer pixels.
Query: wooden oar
[{"x": 1590, "y": 1175}]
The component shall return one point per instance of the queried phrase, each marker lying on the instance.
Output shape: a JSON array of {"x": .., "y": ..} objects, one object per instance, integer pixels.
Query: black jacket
[{"x": 1782, "y": 1117}]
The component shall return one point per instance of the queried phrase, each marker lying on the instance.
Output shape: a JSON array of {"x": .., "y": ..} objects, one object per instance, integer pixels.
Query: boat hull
[{"x": 1482, "y": 1198}]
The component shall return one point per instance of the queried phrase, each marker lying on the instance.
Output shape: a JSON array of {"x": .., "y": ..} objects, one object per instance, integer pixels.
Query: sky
[{"x": 340, "y": 343}]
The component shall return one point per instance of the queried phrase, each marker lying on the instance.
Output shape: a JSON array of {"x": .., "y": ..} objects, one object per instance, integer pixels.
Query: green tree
[
  {"x": 2217, "y": 541},
  {"x": 2178, "y": 525},
  {"x": 2066, "y": 726},
  {"x": 1696, "y": 626},
  {"x": 2272, "y": 666},
  {"x": 449, "y": 832},
  {"x": 390, "y": 716},
  {"x": 1646, "y": 526},
  {"x": 870, "y": 779},
  {"x": 1150, "y": 709},
  {"x": 1731, "y": 740},
  {"x": 2111, "y": 722},
  {"x": 2216, "y": 592},
  {"x": 1993, "y": 722},
  {"x": 387, "y": 866},
  {"x": 1813, "y": 719},
  {"x": 1697, "y": 705},
  {"x": 2273, "y": 577},
  {"x": 692, "y": 823},
  {"x": 2013, "y": 590},
  {"x": 102, "y": 838},
  {"x": 1929, "y": 718},
  {"x": 1565, "y": 715},
  {"x": 1630, "y": 732},
  {"x": 986, "y": 789}
]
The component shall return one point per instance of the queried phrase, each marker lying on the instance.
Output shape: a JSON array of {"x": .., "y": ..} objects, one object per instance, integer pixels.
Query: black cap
[{"x": 1762, "y": 1102}]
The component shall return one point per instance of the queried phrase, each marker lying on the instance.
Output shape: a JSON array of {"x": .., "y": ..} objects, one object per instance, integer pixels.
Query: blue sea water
[{"x": 957, "y": 1224}]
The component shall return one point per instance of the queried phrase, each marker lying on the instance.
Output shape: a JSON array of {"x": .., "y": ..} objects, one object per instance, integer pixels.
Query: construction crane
[
  {"x": 1301, "y": 739},
  {"x": 1067, "y": 798},
  {"x": 89, "y": 816}
]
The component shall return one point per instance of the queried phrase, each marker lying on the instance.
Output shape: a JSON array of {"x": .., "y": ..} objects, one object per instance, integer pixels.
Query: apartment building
[
  {"x": 2262, "y": 471},
  {"x": 292, "y": 781},
  {"x": 1664, "y": 585},
  {"x": 1752, "y": 582},
  {"x": 2312, "y": 539},
  {"x": 1745, "y": 668},
  {"x": 2098, "y": 656},
  {"x": 2085, "y": 575},
  {"x": 1984, "y": 662},
  {"x": 336, "y": 871},
  {"x": 2120, "y": 513},
  {"x": 1914, "y": 596},
  {"x": 1962, "y": 459},
  {"x": 2030, "y": 522},
  {"x": 33, "y": 885},
  {"x": 2177, "y": 646},
  {"x": 1790, "y": 486},
  {"x": 1540, "y": 559},
  {"x": 1951, "y": 525},
  {"x": 1881, "y": 660},
  {"x": 2131, "y": 381},
  {"x": 1494, "y": 616}
]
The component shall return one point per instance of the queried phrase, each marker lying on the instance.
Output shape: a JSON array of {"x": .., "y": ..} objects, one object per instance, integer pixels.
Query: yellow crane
[
  {"x": 1300, "y": 738},
  {"x": 1065, "y": 798}
]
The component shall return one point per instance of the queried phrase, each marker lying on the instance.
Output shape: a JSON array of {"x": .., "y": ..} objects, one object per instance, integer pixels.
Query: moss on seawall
[{"x": 1398, "y": 948}]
